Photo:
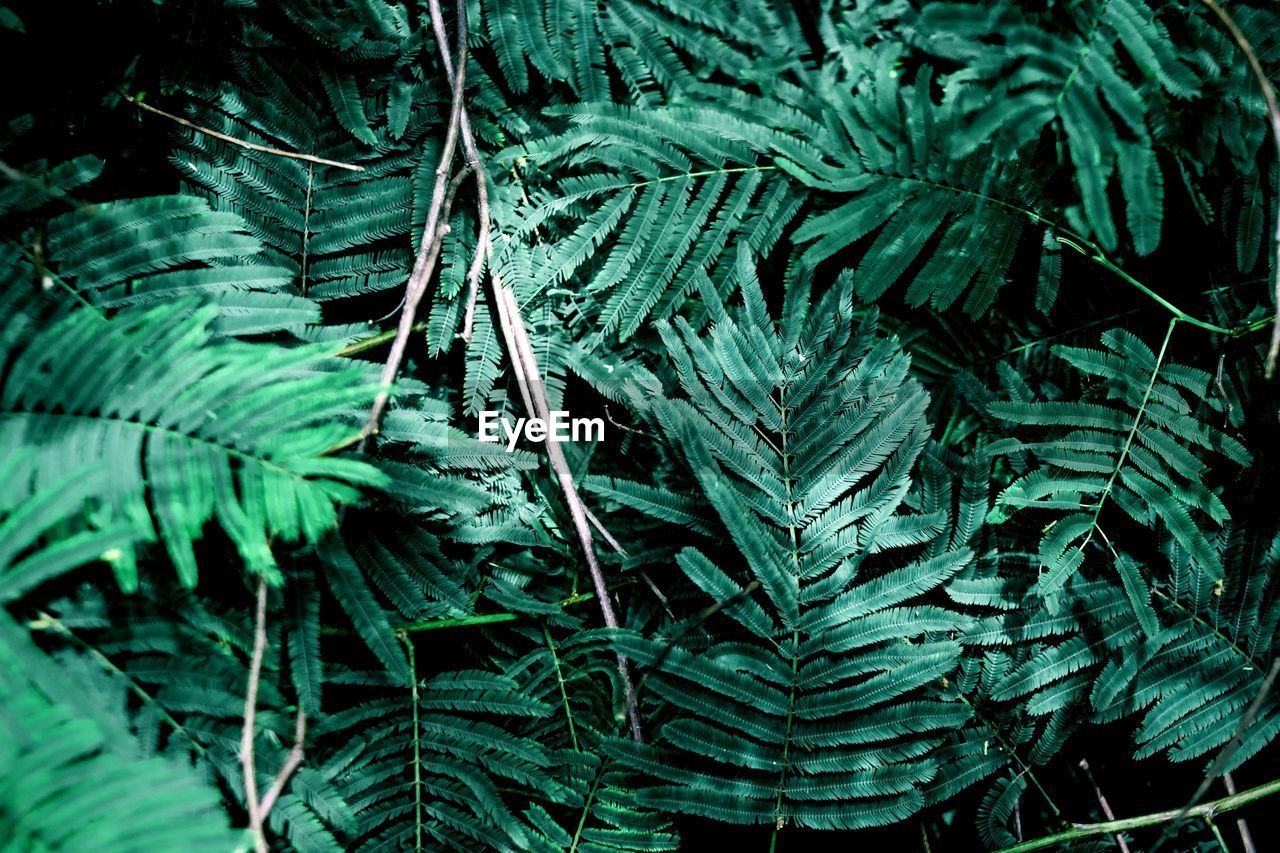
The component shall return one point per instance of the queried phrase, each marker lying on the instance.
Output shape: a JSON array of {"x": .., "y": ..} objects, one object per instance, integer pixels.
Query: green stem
[
  {"x": 1091, "y": 830},
  {"x": 1256, "y": 325},
  {"x": 1217, "y": 835},
  {"x": 564, "y": 694},
  {"x": 47, "y": 621},
  {"x": 356, "y": 347},
  {"x": 586, "y": 808},
  {"x": 1133, "y": 431},
  {"x": 1013, "y": 753},
  {"x": 467, "y": 621},
  {"x": 1093, "y": 253},
  {"x": 1081, "y": 244},
  {"x": 417, "y": 747}
]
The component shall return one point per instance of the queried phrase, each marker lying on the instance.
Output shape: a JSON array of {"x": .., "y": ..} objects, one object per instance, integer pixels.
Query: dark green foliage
[
  {"x": 72, "y": 782},
  {"x": 1134, "y": 441},
  {"x": 186, "y": 429},
  {"x": 1193, "y": 682},
  {"x": 825, "y": 711},
  {"x": 938, "y": 452}
]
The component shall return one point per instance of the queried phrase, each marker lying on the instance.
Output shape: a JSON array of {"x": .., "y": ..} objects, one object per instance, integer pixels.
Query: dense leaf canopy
[{"x": 934, "y": 494}]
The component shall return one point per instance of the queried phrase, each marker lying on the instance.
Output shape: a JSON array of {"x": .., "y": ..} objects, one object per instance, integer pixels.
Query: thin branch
[
  {"x": 523, "y": 362},
  {"x": 250, "y": 711},
  {"x": 527, "y": 374},
  {"x": 1246, "y": 837},
  {"x": 617, "y": 547},
  {"x": 291, "y": 762},
  {"x": 483, "y": 251},
  {"x": 484, "y": 242},
  {"x": 1102, "y": 801},
  {"x": 1273, "y": 113},
  {"x": 252, "y": 146},
  {"x": 1081, "y": 831},
  {"x": 433, "y": 232}
]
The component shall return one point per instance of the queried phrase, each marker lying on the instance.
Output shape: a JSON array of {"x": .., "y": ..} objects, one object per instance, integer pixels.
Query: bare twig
[
  {"x": 617, "y": 547},
  {"x": 483, "y": 250},
  {"x": 1102, "y": 801},
  {"x": 250, "y": 712},
  {"x": 253, "y": 146},
  {"x": 527, "y": 374},
  {"x": 437, "y": 226},
  {"x": 259, "y": 809},
  {"x": 1273, "y": 114},
  {"x": 516, "y": 336},
  {"x": 520, "y": 351},
  {"x": 291, "y": 762},
  {"x": 1246, "y": 837}
]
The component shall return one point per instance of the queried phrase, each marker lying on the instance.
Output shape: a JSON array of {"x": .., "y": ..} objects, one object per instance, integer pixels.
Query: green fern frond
[
  {"x": 803, "y": 720},
  {"x": 1131, "y": 442},
  {"x": 1072, "y": 75},
  {"x": 68, "y": 782},
  {"x": 225, "y": 430}
]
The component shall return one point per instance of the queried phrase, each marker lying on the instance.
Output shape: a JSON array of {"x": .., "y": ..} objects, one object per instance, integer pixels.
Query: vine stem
[
  {"x": 1273, "y": 114},
  {"x": 1081, "y": 831}
]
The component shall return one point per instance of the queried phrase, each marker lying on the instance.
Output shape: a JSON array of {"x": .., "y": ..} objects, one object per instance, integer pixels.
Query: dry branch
[
  {"x": 259, "y": 809},
  {"x": 250, "y": 713},
  {"x": 252, "y": 146},
  {"x": 428, "y": 254},
  {"x": 516, "y": 337}
]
